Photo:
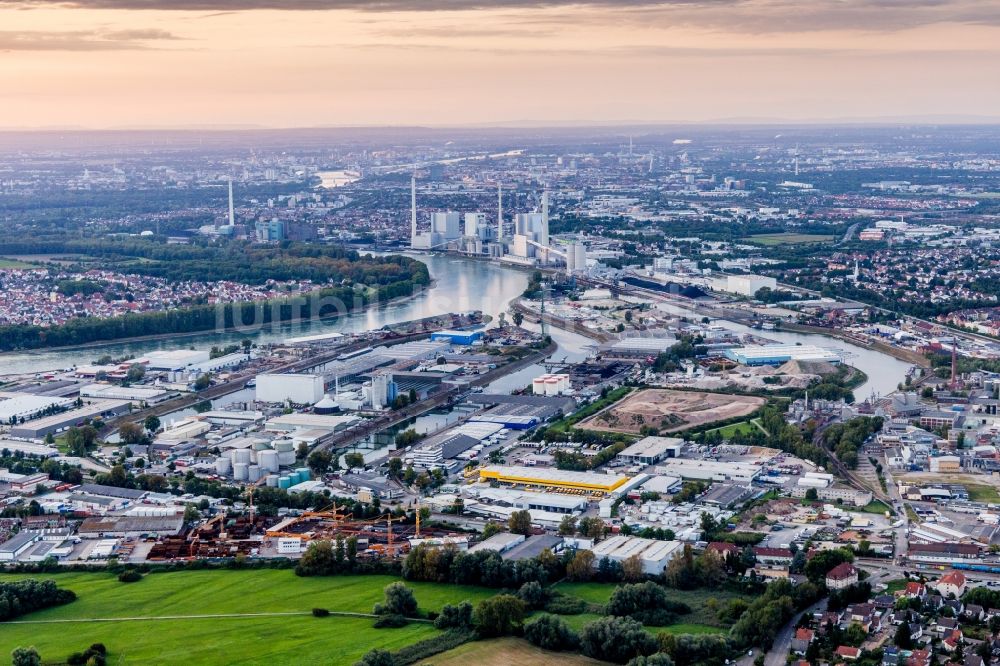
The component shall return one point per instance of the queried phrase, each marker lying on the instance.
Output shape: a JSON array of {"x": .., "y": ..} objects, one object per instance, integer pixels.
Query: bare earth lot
[{"x": 669, "y": 411}]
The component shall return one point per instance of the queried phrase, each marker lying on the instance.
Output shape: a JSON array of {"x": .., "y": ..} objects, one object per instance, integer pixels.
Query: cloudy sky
[{"x": 285, "y": 63}]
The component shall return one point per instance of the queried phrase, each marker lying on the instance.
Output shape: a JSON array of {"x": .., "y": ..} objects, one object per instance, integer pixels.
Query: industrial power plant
[{"x": 473, "y": 234}]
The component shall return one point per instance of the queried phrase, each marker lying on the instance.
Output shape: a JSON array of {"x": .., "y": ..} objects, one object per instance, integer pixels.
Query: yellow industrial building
[{"x": 547, "y": 478}]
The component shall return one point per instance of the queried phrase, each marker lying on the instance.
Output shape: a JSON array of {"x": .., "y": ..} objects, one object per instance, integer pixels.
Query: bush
[
  {"x": 376, "y": 657},
  {"x": 616, "y": 639},
  {"x": 399, "y": 600},
  {"x": 564, "y": 604},
  {"x": 320, "y": 612},
  {"x": 390, "y": 621},
  {"x": 532, "y": 594},
  {"x": 551, "y": 633},
  {"x": 130, "y": 576},
  {"x": 422, "y": 650},
  {"x": 658, "y": 659},
  {"x": 455, "y": 617},
  {"x": 499, "y": 616},
  {"x": 646, "y": 602}
]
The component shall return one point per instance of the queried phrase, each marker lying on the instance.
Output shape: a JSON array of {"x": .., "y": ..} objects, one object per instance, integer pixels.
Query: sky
[{"x": 308, "y": 63}]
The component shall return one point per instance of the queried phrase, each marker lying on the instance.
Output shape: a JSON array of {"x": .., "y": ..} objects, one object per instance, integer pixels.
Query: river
[{"x": 459, "y": 285}]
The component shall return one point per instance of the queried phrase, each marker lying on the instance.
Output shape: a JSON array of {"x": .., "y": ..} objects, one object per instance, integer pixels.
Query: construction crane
[{"x": 389, "y": 520}]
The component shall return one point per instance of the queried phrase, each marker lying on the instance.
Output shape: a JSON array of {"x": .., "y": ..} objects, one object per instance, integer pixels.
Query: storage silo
[
  {"x": 241, "y": 457},
  {"x": 286, "y": 452},
  {"x": 253, "y": 473},
  {"x": 241, "y": 471},
  {"x": 268, "y": 460},
  {"x": 223, "y": 466},
  {"x": 271, "y": 480}
]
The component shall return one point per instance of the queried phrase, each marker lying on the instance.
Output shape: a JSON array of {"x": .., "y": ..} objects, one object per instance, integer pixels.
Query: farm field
[
  {"x": 506, "y": 652},
  {"x": 670, "y": 411},
  {"x": 789, "y": 238},
  {"x": 167, "y": 628}
]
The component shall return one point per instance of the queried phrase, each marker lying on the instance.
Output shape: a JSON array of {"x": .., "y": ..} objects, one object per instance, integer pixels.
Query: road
[{"x": 778, "y": 654}]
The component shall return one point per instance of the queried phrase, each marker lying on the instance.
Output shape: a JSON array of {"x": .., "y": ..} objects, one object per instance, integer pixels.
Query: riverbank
[
  {"x": 874, "y": 345},
  {"x": 266, "y": 328},
  {"x": 558, "y": 322}
]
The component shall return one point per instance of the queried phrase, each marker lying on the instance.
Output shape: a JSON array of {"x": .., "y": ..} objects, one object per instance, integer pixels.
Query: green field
[
  {"x": 744, "y": 427},
  {"x": 979, "y": 492},
  {"x": 14, "y": 264},
  {"x": 894, "y": 586},
  {"x": 789, "y": 238},
  {"x": 167, "y": 629}
]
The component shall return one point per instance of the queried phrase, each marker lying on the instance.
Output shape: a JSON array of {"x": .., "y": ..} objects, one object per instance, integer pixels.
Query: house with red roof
[
  {"x": 848, "y": 653},
  {"x": 841, "y": 576},
  {"x": 803, "y": 637},
  {"x": 952, "y": 583}
]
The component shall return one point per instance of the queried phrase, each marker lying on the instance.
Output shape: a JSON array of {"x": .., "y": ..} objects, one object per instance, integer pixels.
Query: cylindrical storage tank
[
  {"x": 303, "y": 473},
  {"x": 241, "y": 471},
  {"x": 286, "y": 458},
  {"x": 271, "y": 480},
  {"x": 284, "y": 445},
  {"x": 242, "y": 456},
  {"x": 223, "y": 466},
  {"x": 268, "y": 460},
  {"x": 284, "y": 482},
  {"x": 253, "y": 473},
  {"x": 294, "y": 478}
]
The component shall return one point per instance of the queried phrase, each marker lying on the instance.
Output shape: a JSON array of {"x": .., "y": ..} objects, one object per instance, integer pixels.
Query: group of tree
[
  {"x": 846, "y": 439},
  {"x": 485, "y": 567},
  {"x": 325, "y": 558},
  {"x": 26, "y": 596},
  {"x": 687, "y": 347},
  {"x": 766, "y": 614},
  {"x": 647, "y": 602},
  {"x": 687, "y": 572}
]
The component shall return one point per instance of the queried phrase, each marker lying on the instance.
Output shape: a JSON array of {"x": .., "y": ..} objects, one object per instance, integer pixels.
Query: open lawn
[
  {"x": 506, "y": 652},
  {"x": 105, "y": 605},
  {"x": 875, "y": 506},
  {"x": 894, "y": 586},
  {"x": 982, "y": 493},
  {"x": 789, "y": 238},
  {"x": 744, "y": 427}
]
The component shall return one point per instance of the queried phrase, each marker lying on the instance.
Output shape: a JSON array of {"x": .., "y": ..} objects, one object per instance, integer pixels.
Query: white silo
[
  {"x": 241, "y": 471},
  {"x": 223, "y": 466}
]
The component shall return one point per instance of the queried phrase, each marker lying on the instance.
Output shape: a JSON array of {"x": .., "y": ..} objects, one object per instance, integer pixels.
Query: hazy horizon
[{"x": 156, "y": 64}]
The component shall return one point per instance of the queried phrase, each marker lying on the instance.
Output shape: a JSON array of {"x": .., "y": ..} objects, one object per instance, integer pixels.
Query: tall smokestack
[
  {"x": 499, "y": 211},
  {"x": 232, "y": 216},
  {"x": 544, "y": 236},
  {"x": 413, "y": 207}
]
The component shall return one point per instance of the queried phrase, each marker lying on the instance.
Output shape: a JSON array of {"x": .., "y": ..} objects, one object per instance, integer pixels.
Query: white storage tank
[
  {"x": 268, "y": 460},
  {"x": 286, "y": 452},
  {"x": 271, "y": 480},
  {"x": 223, "y": 466},
  {"x": 242, "y": 457},
  {"x": 253, "y": 473},
  {"x": 241, "y": 471}
]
